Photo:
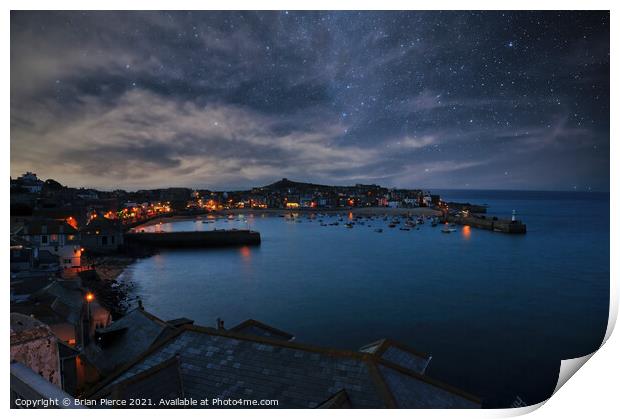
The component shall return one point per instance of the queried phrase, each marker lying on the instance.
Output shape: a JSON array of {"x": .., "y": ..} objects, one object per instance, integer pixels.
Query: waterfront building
[
  {"x": 102, "y": 235},
  {"x": 55, "y": 236}
]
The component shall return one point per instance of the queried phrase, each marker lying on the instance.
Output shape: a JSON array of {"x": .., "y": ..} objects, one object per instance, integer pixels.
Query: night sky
[{"x": 477, "y": 100}]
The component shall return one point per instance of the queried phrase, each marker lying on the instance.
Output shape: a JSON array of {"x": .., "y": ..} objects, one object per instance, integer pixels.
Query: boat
[
  {"x": 348, "y": 225},
  {"x": 392, "y": 225},
  {"x": 448, "y": 230},
  {"x": 378, "y": 230},
  {"x": 405, "y": 229}
]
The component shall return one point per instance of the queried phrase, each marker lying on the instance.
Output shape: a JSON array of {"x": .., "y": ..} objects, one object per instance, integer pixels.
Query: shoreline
[
  {"x": 104, "y": 283},
  {"x": 368, "y": 211}
]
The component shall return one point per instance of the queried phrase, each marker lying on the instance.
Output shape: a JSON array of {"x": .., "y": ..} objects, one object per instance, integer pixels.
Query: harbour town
[
  {"x": 306, "y": 209},
  {"x": 69, "y": 246}
]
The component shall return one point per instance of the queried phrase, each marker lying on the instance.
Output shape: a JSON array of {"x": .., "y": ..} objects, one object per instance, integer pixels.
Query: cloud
[{"x": 235, "y": 99}]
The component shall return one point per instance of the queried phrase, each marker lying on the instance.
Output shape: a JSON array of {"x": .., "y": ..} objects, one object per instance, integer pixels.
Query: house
[
  {"x": 55, "y": 236},
  {"x": 26, "y": 257},
  {"x": 102, "y": 235},
  {"x": 62, "y": 306},
  {"x": 30, "y": 182},
  {"x": 242, "y": 363},
  {"x": 125, "y": 339},
  {"x": 34, "y": 345}
]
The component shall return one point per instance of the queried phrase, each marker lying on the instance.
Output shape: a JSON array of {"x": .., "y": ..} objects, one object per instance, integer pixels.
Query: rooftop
[
  {"x": 227, "y": 364},
  {"x": 125, "y": 339}
]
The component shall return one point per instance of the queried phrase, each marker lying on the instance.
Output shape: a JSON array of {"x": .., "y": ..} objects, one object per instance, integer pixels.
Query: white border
[{"x": 593, "y": 393}]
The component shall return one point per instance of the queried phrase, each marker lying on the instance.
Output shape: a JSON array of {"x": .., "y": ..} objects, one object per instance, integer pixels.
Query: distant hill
[{"x": 289, "y": 184}]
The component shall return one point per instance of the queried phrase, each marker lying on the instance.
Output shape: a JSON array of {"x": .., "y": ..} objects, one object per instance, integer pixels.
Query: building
[
  {"x": 62, "y": 305},
  {"x": 30, "y": 182},
  {"x": 27, "y": 258},
  {"x": 102, "y": 235},
  {"x": 246, "y": 363},
  {"x": 55, "y": 236},
  {"x": 28, "y": 388},
  {"x": 125, "y": 339},
  {"x": 34, "y": 344}
]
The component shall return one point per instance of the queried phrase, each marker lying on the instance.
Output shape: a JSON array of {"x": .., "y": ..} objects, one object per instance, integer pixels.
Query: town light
[{"x": 90, "y": 297}]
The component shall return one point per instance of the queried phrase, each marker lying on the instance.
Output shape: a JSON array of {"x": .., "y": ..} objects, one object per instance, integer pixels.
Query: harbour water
[{"x": 497, "y": 312}]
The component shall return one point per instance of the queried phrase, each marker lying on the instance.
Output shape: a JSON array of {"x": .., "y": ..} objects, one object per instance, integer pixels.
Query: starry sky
[{"x": 231, "y": 100}]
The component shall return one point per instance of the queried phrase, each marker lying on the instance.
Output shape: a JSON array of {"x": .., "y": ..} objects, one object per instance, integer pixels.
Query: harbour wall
[{"x": 502, "y": 226}]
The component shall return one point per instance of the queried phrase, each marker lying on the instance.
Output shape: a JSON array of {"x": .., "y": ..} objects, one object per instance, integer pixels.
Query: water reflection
[
  {"x": 466, "y": 232},
  {"x": 246, "y": 253}
]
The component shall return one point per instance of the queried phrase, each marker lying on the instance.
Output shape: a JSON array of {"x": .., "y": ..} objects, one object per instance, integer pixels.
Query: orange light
[
  {"x": 245, "y": 252},
  {"x": 90, "y": 297},
  {"x": 466, "y": 232}
]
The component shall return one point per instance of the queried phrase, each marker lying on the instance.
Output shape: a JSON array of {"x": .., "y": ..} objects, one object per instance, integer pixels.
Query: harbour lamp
[{"x": 90, "y": 297}]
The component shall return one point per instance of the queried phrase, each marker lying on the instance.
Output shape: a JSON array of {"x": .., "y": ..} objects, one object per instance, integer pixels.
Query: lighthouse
[{"x": 514, "y": 216}]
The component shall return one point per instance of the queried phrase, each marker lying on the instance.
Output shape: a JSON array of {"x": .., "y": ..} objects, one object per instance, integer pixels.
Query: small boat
[
  {"x": 405, "y": 229},
  {"x": 448, "y": 230},
  {"x": 348, "y": 225},
  {"x": 378, "y": 230},
  {"x": 392, "y": 225}
]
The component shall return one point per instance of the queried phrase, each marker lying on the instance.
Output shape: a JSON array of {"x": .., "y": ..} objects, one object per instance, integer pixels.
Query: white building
[{"x": 57, "y": 237}]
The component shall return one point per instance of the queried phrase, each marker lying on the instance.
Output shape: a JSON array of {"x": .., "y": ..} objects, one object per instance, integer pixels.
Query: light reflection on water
[{"x": 496, "y": 311}]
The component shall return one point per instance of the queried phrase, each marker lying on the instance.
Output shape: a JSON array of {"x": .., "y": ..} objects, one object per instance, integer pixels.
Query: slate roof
[
  {"x": 399, "y": 354},
  {"x": 36, "y": 226},
  {"x": 103, "y": 224},
  {"x": 225, "y": 364},
  {"x": 160, "y": 382},
  {"x": 340, "y": 400},
  {"x": 59, "y": 302},
  {"x": 256, "y": 328},
  {"x": 125, "y": 339}
]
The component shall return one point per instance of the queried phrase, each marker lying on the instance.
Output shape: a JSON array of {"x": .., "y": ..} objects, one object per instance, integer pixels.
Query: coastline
[
  {"x": 103, "y": 281},
  {"x": 366, "y": 211}
]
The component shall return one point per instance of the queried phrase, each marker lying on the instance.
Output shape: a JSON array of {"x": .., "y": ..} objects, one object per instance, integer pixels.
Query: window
[
  {"x": 67, "y": 261},
  {"x": 112, "y": 239},
  {"x": 43, "y": 239},
  {"x": 104, "y": 240},
  {"x": 54, "y": 238},
  {"x": 71, "y": 237}
]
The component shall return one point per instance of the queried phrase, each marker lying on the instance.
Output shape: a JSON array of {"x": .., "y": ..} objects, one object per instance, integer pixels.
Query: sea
[{"x": 497, "y": 312}]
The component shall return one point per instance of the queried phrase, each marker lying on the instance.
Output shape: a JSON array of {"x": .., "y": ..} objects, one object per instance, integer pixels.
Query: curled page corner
[{"x": 568, "y": 367}]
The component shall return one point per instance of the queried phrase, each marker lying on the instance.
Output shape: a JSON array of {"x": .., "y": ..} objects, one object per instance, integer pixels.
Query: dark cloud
[{"x": 236, "y": 99}]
